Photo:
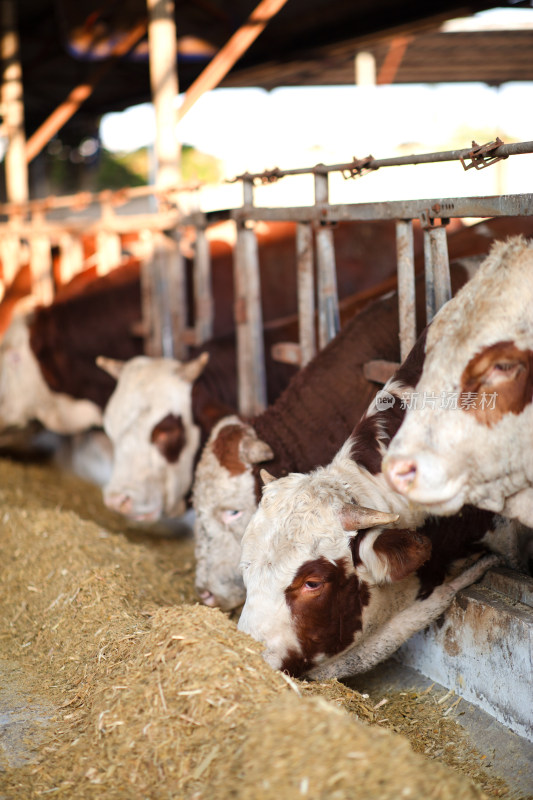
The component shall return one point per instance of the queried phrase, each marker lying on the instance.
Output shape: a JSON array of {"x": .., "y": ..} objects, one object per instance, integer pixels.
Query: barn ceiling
[{"x": 308, "y": 42}]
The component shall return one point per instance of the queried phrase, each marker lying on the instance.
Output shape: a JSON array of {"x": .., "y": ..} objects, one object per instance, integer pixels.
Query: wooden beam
[
  {"x": 164, "y": 84},
  {"x": 79, "y": 95},
  {"x": 227, "y": 57},
  {"x": 13, "y": 106},
  {"x": 393, "y": 59}
]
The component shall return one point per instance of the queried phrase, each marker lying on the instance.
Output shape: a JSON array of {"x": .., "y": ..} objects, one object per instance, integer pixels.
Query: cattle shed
[{"x": 114, "y": 681}]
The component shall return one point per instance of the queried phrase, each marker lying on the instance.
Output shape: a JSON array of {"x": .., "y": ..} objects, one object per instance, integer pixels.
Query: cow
[
  {"x": 160, "y": 400},
  {"x": 302, "y": 430},
  {"x": 467, "y": 433},
  {"x": 340, "y": 570}
]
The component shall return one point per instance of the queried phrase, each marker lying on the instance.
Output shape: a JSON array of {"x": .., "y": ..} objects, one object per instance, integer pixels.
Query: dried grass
[{"x": 156, "y": 697}]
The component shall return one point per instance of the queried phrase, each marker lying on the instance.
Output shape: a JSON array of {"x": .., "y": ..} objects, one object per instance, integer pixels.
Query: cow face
[
  {"x": 149, "y": 419},
  {"x": 323, "y": 573},
  {"x": 464, "y": 439},
  {"x": 224, "y": 499},
  {"x": 25, "y": 396}
]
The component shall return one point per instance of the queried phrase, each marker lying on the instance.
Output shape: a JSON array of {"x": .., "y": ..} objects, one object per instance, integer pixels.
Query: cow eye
[
  {"x": 230, "y": 515},
  {"x": 313, "y": 584},
  {"x": 505, "y": 366}
]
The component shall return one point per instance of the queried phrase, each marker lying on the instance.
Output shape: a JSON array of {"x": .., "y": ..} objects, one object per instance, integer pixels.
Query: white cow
[
  {"x": 468, "y": 433},
  {"x": 25, "y": 396},
  {"x": 150, "y": 420}
]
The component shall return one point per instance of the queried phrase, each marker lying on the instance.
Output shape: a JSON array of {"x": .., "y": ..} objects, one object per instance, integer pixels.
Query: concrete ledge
[{"x": 482, "y": 648}]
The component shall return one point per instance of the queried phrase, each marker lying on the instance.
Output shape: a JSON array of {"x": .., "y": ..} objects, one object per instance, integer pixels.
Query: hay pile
[{"x": 155, "y": 697}]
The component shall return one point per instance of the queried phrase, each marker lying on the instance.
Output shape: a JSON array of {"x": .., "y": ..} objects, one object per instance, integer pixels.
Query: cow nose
[
  {"x": 119, "y": 501},
  {"x": 207, "y": 598},
  {"x": 401, "y": 473}
]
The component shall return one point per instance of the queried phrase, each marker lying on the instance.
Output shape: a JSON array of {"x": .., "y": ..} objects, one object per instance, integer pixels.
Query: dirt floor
[{"x": 115, "y": 683}]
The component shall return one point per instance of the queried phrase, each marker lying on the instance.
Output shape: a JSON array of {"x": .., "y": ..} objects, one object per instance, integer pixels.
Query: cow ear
[
  {"x": 191, "y": 370},
  {"x": 354, "y": 517},
  {"x": 266, "y": 477},
  {"x": 112, "y": 366},
  {"x": 393, "y": 555},
  {"x": 253, "y": 450}
]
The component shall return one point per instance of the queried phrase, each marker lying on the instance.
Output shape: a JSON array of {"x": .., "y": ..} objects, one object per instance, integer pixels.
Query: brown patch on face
[
  {"x": 326, "y": 604},
  {"x": 169, "y": 437},
  {"x": 226, "y": 449},
  {"x": 497, "y": 381},
  {"x": 405, "y": 551}
]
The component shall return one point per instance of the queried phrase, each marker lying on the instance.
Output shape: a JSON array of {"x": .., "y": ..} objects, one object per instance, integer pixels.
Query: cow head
[
  {"x": 463, "y": 440},
  {"x": 224, "y": 499},
  {"x": 25, "y": 395},
  {"x": 319, "y": 569},
  {"x": 149, "y": 419}
]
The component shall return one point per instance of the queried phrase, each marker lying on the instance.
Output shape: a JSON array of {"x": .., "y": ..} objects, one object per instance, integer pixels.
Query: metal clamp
[
  {"x": 358, "y": 168},
  {"x": 480, "y": 155}
]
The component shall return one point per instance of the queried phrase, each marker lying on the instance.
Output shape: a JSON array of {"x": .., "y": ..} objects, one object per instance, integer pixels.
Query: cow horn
[
  {"x": 266, "y": 477},
  {"x": 355, "y": 517},
  {"x": 112, "y": 366},
  {"x": 254, "y": 450},
  {"x": 191, "y": 370}
]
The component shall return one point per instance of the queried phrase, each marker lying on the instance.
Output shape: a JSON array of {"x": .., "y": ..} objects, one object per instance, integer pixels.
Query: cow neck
[{"x": 206, "y": 410}]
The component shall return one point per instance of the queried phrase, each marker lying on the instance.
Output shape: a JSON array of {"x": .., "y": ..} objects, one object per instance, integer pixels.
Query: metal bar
[
  {"x": 328, "y": 301},
  {"x": 406, "y": 286},
  {"x": 429, "y": 277},
  {"x": 227, "y": 56},
  {"x": 79, "y": 95},
  {"x": 306, "y": 292},
  {"x": 150, "y": 334},
  {"x": 109, "y": 248},
  {"x": 41, "y": 268},
  {"x": 71, "y": 256},
  {"x": 164, "y": 86},
  {"x": 441, "y": 266},
  {"x": 175, "y": 309},
  {"x": 517, "y": 205},
  {"x": 504, "y": 150},
  {"x": 10, "y": 254},
  {"x": 203, "y": 295},
  {"x": 13, "y": 106},
  {"x": 248, "y": 317}
]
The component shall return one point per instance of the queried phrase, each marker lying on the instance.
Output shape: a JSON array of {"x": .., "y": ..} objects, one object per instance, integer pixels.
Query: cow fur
[
  {"x": 481, "y": 343},
  {"x": 302, "y": 430}
]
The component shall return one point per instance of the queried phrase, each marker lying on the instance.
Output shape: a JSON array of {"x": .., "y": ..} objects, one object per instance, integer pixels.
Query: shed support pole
[
  {"x": 406, "y": 285},
  {"x": 164, "y": 84},
  {"x": 13, "y": 107},
  {"x": 328, "y": 301},
  {"x": 248, "y": 318},
  {"x": 306, "y": 292},
  {"x": 41, "y": 263},
  {"x": 203, "y": 295}
]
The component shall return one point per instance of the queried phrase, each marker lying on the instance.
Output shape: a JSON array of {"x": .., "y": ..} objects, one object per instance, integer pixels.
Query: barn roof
[{"x": 307, "y": 42}]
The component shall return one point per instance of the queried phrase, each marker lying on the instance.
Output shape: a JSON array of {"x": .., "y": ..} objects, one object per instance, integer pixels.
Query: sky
[{"x": 296, "y": 126}]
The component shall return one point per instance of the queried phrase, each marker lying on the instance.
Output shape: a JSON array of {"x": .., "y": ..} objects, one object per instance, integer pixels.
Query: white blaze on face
[
  {"x": 25, "y": 396},
  {"x": 224, "y": 499},
  {"x": 464, "y": 439},
  {"x": 149, "y": 419}
]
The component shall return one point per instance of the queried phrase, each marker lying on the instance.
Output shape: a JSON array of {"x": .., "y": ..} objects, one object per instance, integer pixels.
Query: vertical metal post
[
  {"x": 428, "y": 275},
  {"x": 164, "y": 84},
  {"x": 306, "y": 292},
  {"x": 203, "y": 294},
  {"x": 71, "y": 256},
  {"x": 328, "y": 301},
  {"x": 13, "y": 107},
  {"x": 248, "y": 317},
  {"x": 108, "y": 245},
  {"x": 437, "y": 270},
  {"x": 441, "y": 266},
  {"x": 41, "y": 263},
  {"x": 406, "y": 285},
  {"x": 174, "y": 270}
]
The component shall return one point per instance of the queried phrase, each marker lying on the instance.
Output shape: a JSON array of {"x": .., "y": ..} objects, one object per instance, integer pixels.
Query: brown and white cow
[
  {"x": 330, "y": 591},
  {"x": 302, "y": 430},
  {"x": 468, "y": 433}
]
